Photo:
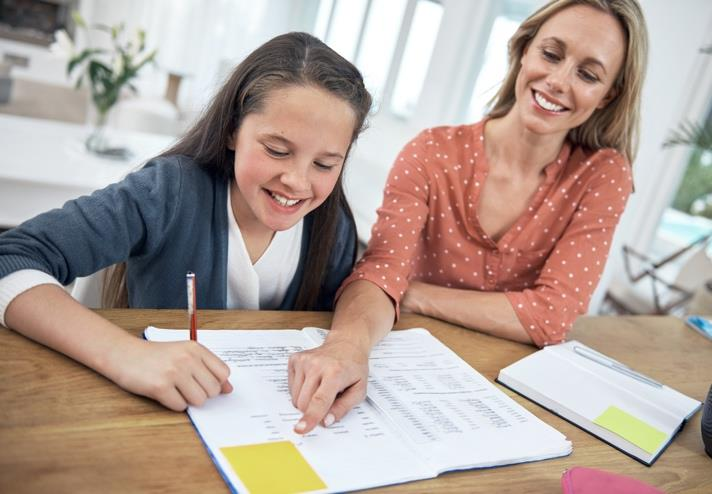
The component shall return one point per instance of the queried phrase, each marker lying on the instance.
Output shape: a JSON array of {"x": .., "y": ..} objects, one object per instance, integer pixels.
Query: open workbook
[
  {"x": 628, "y": 410},
  {"x": 427, "y": 412}
]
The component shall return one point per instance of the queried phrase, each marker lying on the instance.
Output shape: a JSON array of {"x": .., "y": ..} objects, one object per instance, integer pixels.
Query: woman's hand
[
  {"x": 327, "y": 381},
  {"x": 176, "y": 374}
]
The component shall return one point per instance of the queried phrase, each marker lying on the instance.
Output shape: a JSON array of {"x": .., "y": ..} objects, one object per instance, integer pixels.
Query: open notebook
[
  {"x": 427, "y": 412},
  {"x": 628, "y": 410}
]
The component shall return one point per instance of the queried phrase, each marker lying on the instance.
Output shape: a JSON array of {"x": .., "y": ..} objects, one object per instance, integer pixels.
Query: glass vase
[
  {"x": 97, "y": 142},
  {"x": 100, "y": 141}
]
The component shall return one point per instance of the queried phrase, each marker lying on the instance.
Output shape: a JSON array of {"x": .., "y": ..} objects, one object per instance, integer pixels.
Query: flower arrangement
[{"x": 106, "y": 71}]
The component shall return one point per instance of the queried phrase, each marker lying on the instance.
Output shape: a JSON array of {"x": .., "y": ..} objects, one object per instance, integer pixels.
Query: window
[
  {"x": 388, "y": 40},
  {"x": 689, "y": 217},
  {"x": 379, "y": 43},
  {"x": 509, "y": 15},
  {"x": 418, "y": 51}
]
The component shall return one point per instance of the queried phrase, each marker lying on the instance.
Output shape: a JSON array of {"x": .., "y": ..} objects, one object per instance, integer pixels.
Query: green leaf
[
  {"x": 690, "y": 134},
  {"x": 83, "y": 55}
]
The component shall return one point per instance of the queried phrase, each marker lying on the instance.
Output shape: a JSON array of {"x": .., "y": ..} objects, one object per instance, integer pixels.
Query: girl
[
  {"x": 250, "y": 200},
  {"x": 504, "y": 225}
]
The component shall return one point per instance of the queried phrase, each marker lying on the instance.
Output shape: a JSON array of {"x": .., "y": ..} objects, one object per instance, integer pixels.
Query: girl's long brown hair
[{"x": 289, "y": 59}]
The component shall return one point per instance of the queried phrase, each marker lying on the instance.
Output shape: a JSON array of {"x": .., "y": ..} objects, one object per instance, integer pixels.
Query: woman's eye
[
  {"x": 588, "y": 76},
  {"x": 550, "y": 55}
]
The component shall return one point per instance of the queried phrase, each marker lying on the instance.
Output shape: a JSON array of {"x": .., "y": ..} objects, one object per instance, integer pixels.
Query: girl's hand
[
  {"x": 176, "y": 374},
  {"x": 327, "y": 381}
]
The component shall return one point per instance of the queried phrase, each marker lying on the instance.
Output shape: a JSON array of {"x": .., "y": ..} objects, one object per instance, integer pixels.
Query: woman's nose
[{"x": 558, "y": 78}]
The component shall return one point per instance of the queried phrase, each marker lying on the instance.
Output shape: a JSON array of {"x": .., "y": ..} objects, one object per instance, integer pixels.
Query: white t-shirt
[{"x": 261, "y": 285}]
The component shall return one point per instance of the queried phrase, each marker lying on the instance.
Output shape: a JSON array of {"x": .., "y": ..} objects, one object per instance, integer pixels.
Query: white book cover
[
  {"x": 427, "y": 411},
  {"x": 628, "y": 410}
]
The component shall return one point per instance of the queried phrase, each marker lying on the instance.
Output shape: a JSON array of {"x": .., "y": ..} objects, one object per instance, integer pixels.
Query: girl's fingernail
[
  {"x": 301, "y": 425},
  {"x": 329, "y": 419}
]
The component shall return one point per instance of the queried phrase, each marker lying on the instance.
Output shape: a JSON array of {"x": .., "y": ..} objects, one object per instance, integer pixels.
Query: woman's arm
[
  {"x": 544, "y": 313},
  {"x": 175, "y": 374},
  {"x": 326, "y": 382},
  {"x": 489, "y": 312}
]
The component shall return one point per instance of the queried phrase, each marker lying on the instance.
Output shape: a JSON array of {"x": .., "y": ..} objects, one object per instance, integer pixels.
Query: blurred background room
[{"x": 427, "y": 62}]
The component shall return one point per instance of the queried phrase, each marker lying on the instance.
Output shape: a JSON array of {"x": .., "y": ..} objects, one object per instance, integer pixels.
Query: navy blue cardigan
[{"x": 165, "y": 219}]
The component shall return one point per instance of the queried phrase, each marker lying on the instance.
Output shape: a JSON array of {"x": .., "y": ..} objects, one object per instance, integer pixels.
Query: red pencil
[{"x": 190, "y": 285}]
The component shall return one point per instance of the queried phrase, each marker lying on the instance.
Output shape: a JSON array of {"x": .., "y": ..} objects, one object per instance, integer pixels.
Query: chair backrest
[{"x": 696, "y": 270}]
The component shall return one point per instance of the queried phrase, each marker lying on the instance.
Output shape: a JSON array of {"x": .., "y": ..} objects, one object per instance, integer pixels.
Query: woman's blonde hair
[{"x": 617, "y": 124}]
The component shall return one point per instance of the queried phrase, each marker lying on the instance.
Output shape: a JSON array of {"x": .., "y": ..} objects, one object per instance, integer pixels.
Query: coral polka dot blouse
[{"x": 548, "y": 263}]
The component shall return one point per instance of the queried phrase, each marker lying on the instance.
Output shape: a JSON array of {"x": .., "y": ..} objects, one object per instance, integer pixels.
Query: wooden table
[{"x": 64, "y": 428}]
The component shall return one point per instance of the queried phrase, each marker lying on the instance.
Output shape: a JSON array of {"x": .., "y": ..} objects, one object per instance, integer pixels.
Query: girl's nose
[{"x": 296, "y": 177}]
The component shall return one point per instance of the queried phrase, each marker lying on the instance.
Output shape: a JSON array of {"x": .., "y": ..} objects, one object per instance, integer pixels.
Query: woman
[{"x": 502, "y": 226}]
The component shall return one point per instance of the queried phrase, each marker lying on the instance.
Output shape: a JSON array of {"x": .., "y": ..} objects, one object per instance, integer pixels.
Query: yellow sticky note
[
  {"x": 272, "y": 468},
  {"x": 631, "y": 428}
]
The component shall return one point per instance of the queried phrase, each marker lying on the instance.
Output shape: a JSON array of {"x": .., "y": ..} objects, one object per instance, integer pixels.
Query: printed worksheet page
[
  {"x": 360, "y": 451},
  {"x": 455, "y": 417}
]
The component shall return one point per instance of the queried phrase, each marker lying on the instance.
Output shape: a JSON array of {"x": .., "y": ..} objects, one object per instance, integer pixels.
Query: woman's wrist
[{"x": 416, "y": 298}]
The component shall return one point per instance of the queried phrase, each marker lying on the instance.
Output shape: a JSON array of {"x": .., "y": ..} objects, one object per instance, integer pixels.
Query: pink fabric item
[{"x": 582, "y": 480}]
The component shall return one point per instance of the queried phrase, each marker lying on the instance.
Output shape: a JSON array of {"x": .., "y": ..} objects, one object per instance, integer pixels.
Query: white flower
[
  {"x": 144, "y": 58},
  {"x": 118, "y": 66},
  {"x": 135, "y": 44},
  {"x": 63, "y": 45}
]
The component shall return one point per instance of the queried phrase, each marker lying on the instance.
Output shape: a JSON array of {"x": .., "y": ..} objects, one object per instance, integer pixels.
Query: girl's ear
[{"x": 231, "y": 141}]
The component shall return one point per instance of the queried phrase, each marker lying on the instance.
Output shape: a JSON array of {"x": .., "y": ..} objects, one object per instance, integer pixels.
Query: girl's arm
[
  {"x": 326, "y": 382},
  {"x": 175, "y": 374}
]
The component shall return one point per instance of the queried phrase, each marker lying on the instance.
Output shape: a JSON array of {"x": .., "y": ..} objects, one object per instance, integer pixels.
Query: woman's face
[
  {"x": 568, "y": 70},
  {"x": 288, "y": 156}
]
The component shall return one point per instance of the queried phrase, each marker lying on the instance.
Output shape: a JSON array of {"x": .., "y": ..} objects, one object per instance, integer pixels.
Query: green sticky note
[
  {"x": 631, "y": 428},
  {"x": 272, "y": 468}
]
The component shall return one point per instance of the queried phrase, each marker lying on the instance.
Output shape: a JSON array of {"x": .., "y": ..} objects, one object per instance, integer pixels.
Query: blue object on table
[{"x": 701, "y": 325}]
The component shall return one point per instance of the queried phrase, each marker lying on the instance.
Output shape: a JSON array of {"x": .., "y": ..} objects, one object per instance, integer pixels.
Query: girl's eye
[
  {"x": 322, "y": 166},
  {"x": 275, "y": 153}
]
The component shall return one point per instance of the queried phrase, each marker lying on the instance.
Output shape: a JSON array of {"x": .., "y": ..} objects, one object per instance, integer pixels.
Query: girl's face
[
  {"x": 288, "y": 156},
  {"x": 568, "y": 70}
]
